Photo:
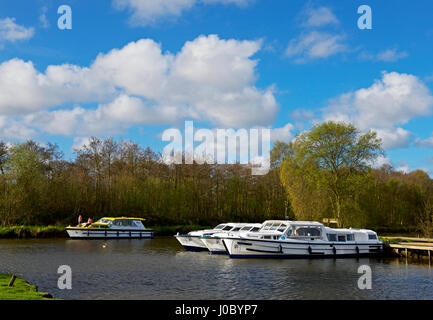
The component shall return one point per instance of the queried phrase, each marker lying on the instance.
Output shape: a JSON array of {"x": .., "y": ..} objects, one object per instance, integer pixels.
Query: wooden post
[{"x": 11, "y": 283}]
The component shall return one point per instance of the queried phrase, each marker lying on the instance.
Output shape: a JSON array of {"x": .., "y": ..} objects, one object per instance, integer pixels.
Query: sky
[{"x": 130, "y": 69}]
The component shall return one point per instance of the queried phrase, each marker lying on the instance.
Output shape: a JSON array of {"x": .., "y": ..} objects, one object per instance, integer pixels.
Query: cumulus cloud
[
  {"x": 318, "y": 17},
  {"x": 283, "y": 134},
  {"x": 210, "y": 80},
  {"x": 145, "y": 12},
  {"x": 384, "y": 106},
  {"x": 424, "y": 142},
  {"x": 10, "y": 31},
  {"x": 315, "y": 45}
]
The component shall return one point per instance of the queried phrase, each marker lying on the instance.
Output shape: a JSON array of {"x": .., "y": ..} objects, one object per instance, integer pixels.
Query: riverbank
[
  {"x": 36, "y": 232},
  {"x": 21, "y": 290}
]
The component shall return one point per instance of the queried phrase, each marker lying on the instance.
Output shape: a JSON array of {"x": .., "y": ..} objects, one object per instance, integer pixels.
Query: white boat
[
  {"x": 302, "y": 239},
  {"x": 193, "y": 240},
  {"x": 111, "y": 228},
  {"x": 214, "y": 242}
]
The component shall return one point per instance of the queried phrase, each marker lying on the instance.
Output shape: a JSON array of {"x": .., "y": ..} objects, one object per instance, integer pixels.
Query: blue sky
[{"x": 221, "y": 63}]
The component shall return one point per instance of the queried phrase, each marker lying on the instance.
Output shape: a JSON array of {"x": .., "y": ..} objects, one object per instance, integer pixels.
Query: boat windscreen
[
  {"x": 219, "y": 227},
  {"x": 282, "y": 227},
  {"x": 104, "y": 220},
  {"x": 227, "y": 228}
]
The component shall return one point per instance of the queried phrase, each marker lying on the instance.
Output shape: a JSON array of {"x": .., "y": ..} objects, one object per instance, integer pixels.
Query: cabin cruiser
[
  {"x": 300, "y": 239},
  {"x": 214, "y": 242},
  {"x": 115, "y": 228},
  {"x": 193, "y": 240}
]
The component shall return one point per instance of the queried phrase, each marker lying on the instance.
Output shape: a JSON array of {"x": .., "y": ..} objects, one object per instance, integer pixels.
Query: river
[{"x": 161, "y": 269}]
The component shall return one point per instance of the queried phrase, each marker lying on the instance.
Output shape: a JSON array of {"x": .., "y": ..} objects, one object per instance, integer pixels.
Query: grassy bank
[
  {"x": 21, "y": 290},
  {"x": 28, "y": 232},
  {"x": 21, "y": 232}
]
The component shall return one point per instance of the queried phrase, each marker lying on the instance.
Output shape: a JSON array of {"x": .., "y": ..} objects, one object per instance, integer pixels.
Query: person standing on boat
[
  {"x": 80, "y": 219},
  {"x": 89, "y": 220}
]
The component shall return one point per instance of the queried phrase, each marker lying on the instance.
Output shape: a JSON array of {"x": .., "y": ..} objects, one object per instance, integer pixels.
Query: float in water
[
  {"x": 111, "y": 228},
  {"x": 302, "y": 239}
]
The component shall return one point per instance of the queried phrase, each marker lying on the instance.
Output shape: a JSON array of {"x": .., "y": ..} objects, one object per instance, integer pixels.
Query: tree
[{"x": 332, "y": 160}]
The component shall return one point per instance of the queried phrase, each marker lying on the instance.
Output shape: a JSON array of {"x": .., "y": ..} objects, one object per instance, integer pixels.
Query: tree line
[{"x": 323, "y": 173}]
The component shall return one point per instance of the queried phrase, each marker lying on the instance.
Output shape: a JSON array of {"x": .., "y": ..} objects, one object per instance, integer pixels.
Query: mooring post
[{"x": 11, "y": 283}]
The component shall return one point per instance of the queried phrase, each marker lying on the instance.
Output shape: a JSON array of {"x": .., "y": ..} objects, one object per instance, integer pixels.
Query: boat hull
[
  {"x": 215, "y": 245},
  {"x": 191, "y": 243},
  {"x": 109, "y": 234},
  {"x": 249, "y": 248}
]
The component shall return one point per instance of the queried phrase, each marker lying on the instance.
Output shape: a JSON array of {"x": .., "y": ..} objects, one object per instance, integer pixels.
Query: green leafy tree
[{"x": 330, "y": 163}]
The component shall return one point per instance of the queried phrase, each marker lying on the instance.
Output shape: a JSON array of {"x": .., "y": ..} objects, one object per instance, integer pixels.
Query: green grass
[
  {"x": 32, "y": 232},
  {"x": 21, "y": 290}
]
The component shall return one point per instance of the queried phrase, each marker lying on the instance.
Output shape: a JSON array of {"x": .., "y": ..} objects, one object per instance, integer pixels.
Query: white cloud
[
  {"x": 318, "y": 17},
  {"x": 43, "y": 18},
  {"x": 12, "y": 129},
  {"x": 389, "y": 55},
  {"x": 388, "y": 103},
  {"x": 315, "y": 45},
  {"x": 210, "y": 80},
  {"x": 80, "y": 142},
  {"x": 283, "y": 134},
  {"x": 10, "y": 31},
  {"x": 424, "y": 142},
  {"x": 404, "y": 168},
  {"x": 394, "y": 138},
  {"x": 145, "y": 12}
]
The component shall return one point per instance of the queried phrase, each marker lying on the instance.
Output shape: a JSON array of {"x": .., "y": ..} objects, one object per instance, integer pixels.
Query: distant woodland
[{"x": 326, "y": 172}]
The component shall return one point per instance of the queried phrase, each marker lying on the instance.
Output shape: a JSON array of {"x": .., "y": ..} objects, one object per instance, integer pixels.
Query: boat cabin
[{"x": 311, "y": 230}]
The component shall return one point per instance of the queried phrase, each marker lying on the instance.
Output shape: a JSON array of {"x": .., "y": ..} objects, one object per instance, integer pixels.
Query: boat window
[
  {"x": 236, "y": 229},
  {"x": 227, "y": 228},
  {"x": 275, "y": 226},
  {"x": 247, "y": 228},
  {"x": 255, "y": 229},
  {"x": 308, "y": 231},
  {"x": 267, "y": 226},
  {"x": 104, "y": 220},
  {"x": 219, "y": 227},
  {"x": 138, "y": 223},
  {"x": 372, "y": 237},
  {"x": 350, "y": 237},
  {"x": 342, "y": 238},
  {"x": 289, "y": 232},
  {"x": 332, "y": 237},
  {"x": 282, "y": 227}
]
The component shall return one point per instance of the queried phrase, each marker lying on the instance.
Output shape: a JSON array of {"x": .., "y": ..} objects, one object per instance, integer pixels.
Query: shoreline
[
  {"x": 46, "y": 232},
  {"x": 51, "y": 231},
  {"x": 20, "y": 290}
]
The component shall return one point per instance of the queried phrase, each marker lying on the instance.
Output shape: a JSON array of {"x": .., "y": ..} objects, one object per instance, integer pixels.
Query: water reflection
[{"x": 160, "y": 269}]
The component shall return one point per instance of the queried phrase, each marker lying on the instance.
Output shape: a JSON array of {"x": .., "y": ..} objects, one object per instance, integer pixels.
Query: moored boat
[
  {"x": 214, "y": 243},
  {"x": 192, "y": 241},
  {"x": 302, "y": 239},
  {"x": 111, "y": 228}
]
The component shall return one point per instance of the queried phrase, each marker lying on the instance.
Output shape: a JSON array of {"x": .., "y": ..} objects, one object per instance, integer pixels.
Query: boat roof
[
  {"x": 295, "y": 222},
  {"x": 122, "y": 218}
]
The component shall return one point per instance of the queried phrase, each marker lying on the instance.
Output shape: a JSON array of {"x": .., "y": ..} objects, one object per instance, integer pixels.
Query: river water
[{"x": 161, "y": 269}]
